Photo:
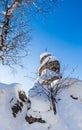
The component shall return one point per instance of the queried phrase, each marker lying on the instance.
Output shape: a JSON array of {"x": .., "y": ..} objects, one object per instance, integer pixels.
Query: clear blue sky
[{"x": 61, "y": 33}]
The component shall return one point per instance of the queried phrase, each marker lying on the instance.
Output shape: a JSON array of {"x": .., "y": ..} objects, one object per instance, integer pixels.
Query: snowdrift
[{"x": 15, "y": 106}]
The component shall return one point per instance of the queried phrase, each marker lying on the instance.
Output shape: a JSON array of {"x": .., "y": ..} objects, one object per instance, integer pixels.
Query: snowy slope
[
  {"x": 68, "y": 105},
  {"x": 9, "y": 96}
]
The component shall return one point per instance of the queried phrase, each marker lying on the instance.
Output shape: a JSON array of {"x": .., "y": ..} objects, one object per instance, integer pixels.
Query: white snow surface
[
  {"x": 44, "y": 54},
  {"x": 38, "y": 98},
  {"x": 48, "y": 59},
  {"x": 68, "y": 106},
  {"x": 48, "y": 74},
  {"x": 3, "y": 12}
]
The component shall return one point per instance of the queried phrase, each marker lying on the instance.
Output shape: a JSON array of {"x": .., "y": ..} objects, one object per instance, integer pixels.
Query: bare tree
[
  {"x": 14, "y": 29},
  {"x": 52, "y": 90}
]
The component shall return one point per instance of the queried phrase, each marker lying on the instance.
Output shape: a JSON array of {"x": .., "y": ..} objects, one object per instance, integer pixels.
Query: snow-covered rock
[
  {"x": 49, "y": 68},
  {"x": 49, "y": 58},
  {"x": 13, "y": 106},
  {"x": 39, "y": 100},
  {"x": 68, "y": 105},
  {"x": 56, "y": 105},
  {"x": 48, "y": 75},
  {"x": 45, "y": 54}
]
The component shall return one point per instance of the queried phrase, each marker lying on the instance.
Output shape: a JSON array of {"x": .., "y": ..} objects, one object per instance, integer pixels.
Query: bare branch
[{"x": 14, "y": 29}]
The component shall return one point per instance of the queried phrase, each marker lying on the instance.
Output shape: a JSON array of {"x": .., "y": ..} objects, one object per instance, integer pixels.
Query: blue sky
[{"x": 61, "y": 33}]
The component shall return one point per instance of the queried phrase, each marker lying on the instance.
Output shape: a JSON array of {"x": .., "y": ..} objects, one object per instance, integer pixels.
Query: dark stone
[
  {"x": 31, "y": 120},
  {"x": 22, "y": 96},
  {"x": 29, "y": 104},
  {"x": 16, "y": 108},
  {"x": 11, "y": 100},
  {"x": 29, "y": 101},
  {"x": 59, "y": 99},
  {"x": 76, "y": 98}
]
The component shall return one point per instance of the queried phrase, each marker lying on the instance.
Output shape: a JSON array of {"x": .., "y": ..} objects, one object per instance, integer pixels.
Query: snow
[
  {"x": 44, "y": 54},
  {"x": 38, "y": 104},
  {"x": 3, "y": 13},
  {"x": 7, "y": 92},
  {"x": 38, "y": 98},
  {"x": 69, "y": 109},
  {"x": 9, "y": 6},
  {"x": 48, "y": 59},
  {"x": 48, "y": 74}
]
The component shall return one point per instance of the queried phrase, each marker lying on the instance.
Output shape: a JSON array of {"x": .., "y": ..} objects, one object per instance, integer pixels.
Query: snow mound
[
  {"x": 9, "y": 99},
  {"x": 8, "y": 91},
  {"x": 68, "y": 106},
  {"x": 48, "y": 59},
  {"x": 44, "y": 54},
  {"x": 39, "y": 100},
  {"x": 48, "y": 74}
]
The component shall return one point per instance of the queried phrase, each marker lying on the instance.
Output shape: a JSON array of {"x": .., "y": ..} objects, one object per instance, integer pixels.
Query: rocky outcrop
[
  {"x": 52, "y": 65},
  {"x": 22, "y": 96},
  {"x": 49, "y": 68},
  {"x": 18, "y": 105},
  {"x": 31, "y": 120},
  {"x": 42, "y": 92}
]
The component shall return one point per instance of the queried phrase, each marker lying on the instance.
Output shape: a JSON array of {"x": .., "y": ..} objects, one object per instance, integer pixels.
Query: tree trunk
[{"x": 53, "y": 100}]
